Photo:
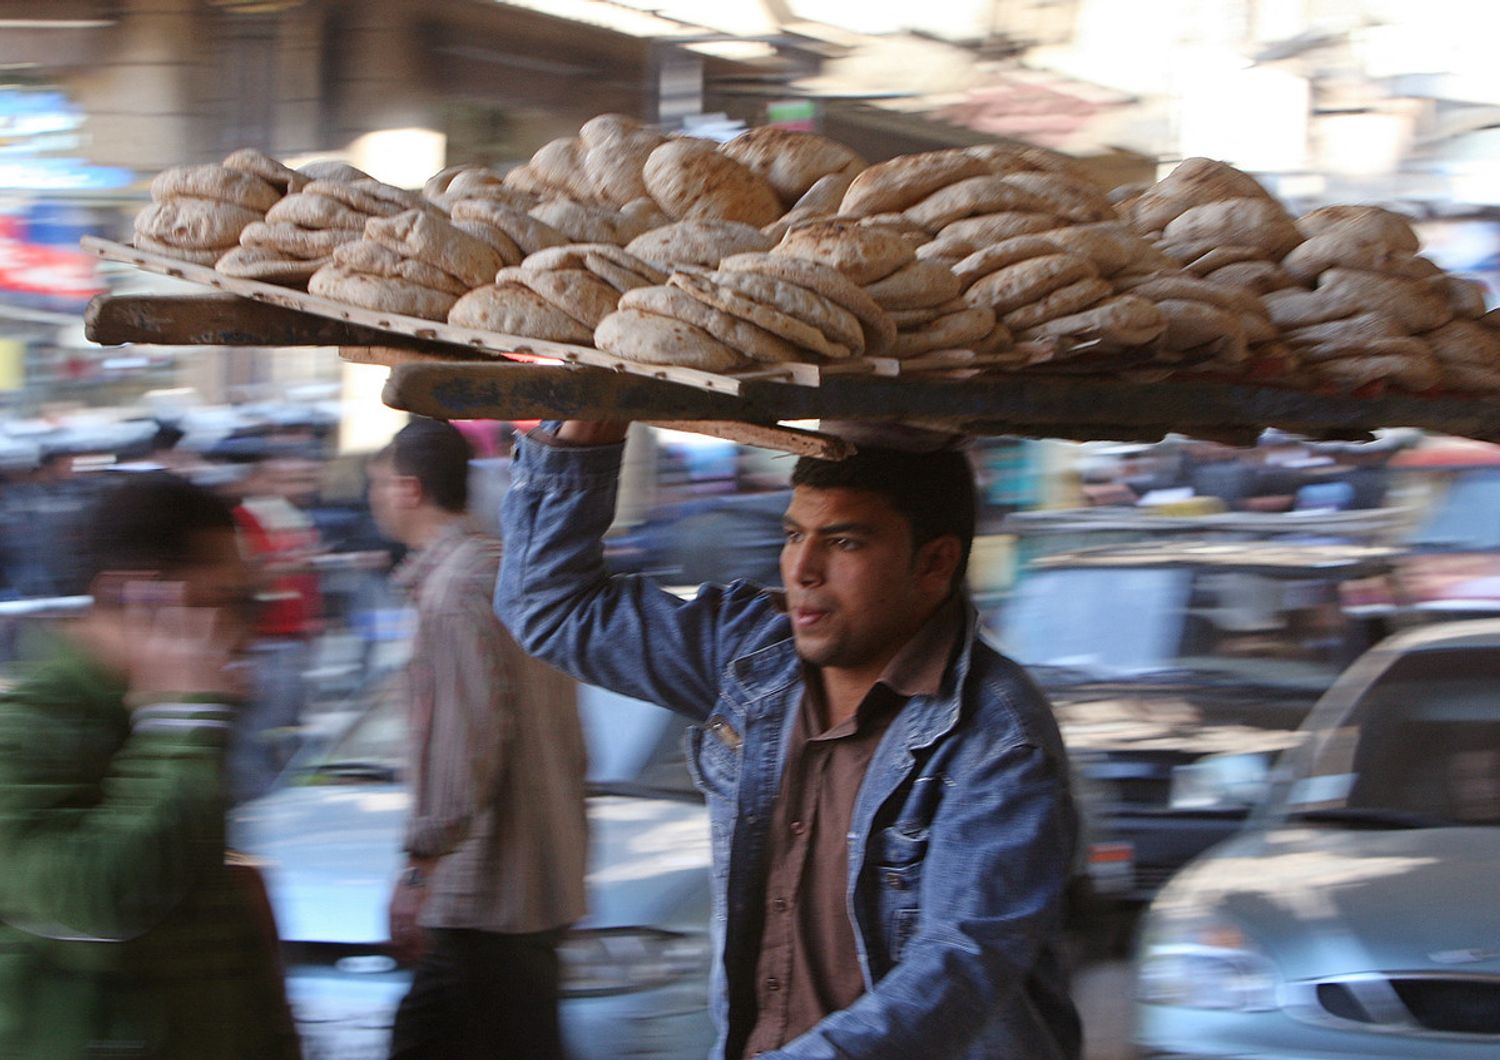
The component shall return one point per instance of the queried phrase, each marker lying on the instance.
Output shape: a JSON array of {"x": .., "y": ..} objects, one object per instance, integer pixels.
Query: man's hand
[
  {"x": 177, "y": 650},
  {"x": 408, "y": 938},
  {"x": 581, "y": 432}
]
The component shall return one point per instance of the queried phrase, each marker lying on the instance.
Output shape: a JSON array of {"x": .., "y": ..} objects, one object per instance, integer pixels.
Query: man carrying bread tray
[{"x": 891, "y": 822}]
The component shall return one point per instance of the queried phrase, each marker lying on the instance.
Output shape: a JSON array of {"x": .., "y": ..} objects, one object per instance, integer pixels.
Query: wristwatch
[{"x": 413, "y": 877}]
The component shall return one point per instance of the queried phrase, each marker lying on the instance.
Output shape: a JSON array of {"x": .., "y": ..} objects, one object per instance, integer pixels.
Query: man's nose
[{"x": 804, "y": 564}]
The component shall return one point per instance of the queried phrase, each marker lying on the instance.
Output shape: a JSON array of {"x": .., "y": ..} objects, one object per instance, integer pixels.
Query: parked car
[
  {"x": 635, "y": 970},
  {"x": 1356, "y": 915},
  {"x": 1158, "y": 654}
]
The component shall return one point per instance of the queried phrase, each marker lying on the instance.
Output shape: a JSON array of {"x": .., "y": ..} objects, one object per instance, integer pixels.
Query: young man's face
[
  {"x": 390, "y": 499},
  {"x": 857, "y": 588}
]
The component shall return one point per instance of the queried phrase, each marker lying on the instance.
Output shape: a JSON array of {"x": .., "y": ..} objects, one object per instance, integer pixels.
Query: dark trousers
[{"x": 481, "y": 994}]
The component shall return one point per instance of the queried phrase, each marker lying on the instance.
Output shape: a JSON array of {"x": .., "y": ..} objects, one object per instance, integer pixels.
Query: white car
[
  {"x": 1356, "y": 916},
  {"x": 635, "y": 971}
]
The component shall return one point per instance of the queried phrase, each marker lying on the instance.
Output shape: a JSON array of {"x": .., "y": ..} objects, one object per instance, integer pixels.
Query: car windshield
[
  {"x": 1421, "y": 748},
  {"x": 1464, "y": 520},
  {"x": 1240, "y": 627}
]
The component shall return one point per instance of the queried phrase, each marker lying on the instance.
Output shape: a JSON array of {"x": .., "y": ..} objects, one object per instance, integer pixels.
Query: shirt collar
[
  {"x": 918, "y": 668},
  {"x": 420, "y": 563}
]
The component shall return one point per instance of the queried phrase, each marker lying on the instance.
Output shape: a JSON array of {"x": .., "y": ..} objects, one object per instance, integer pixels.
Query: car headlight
[
  {"x": 622, "y": 960},
  {"x": 1204, "y": 961}
]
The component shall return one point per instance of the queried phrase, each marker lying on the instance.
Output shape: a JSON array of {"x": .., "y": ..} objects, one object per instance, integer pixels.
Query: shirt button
[
  {"x": 779, "y": 905},
  {"x": 773, "y": 985},
  {"x": 798, "y": 828}
]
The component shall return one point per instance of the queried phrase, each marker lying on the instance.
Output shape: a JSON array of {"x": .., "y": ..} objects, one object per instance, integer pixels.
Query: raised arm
[{"x": 620, "y": 632}]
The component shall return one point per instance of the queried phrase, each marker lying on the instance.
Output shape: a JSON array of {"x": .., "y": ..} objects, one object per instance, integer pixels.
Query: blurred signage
[
  {"x": 35, "y": 124},
  {"x": 12, "y": 364},
  {"x": 800, "y": 115},
  {"x": 49, "y": 272}
]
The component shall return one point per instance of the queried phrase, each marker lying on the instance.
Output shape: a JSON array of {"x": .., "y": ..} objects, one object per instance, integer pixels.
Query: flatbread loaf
[
  {"x": 504, "y": 247},
  {"x": 194, "y": 224},
  {"x": 283, "y": 178},
  {"x": 917, "y": 283},
  {"x": 1072, "y": 298},
  {"x": 1079, "y": 201},
  {"x": 369, "y": 197},
  {"x": 798, "y": 332},
  {"x": 215, "y": 184},
  {"x": 1417, "y": 305},
  {"x": 692, "y": 181},
  {"x": 614, "y": 166},
  {"x": 702, "y": 243},
  {"x": 577, "y": 292},
  {"x": 332, "y": 169},
  {"x": 293, "y": 241},
  {"x": 1246, "y": 222},
  {"x": 957, "y": 330},
  {"x": 512, "y": 309},
  {"x": 833, "y": 320},
  {"x": 526, "y": 232},
  {"x": 1195, "y": 182},
  {"x": 1112, "y": 247},
  {"x": 973, "y": 197},
  {"x": 311, "y": 210},
  {"x": 894, "y": 186},
  {"x": 743, "y": 337},
  {"x": 589, "y": 224},
  {"x": 790, "y": 161},
  {"x": 1122, "y": 321},
  {"x": 420, "y": 235},
  {"x": 380, "y": 293},
  {"x": 862, "y": 253},
  {"x": 251, "y": 263},
  {"x": 653, "y": 339},
  {"x": 367, "y": 256},
  {"x": 1007, "y": 252},
  {"x": 205, "y": 256},
  {"x": 879, "y": 329},
  {"x": 998, "y": 227},
  {"x": 1028, "y": 281},
  {"x": 1369, "y": 224}
]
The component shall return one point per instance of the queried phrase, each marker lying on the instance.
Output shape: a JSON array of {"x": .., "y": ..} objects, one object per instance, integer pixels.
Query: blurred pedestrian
[
  {"x": 496, "y": 843},
  {"x": 892, "y": 828},
  {"x": 122, "y": 930}
]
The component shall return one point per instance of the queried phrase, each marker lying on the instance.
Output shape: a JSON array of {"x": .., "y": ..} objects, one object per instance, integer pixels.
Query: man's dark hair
[
  {"x": 437, "y": 455},
  {"x": 149, "y": 522},
  {"x": 933, "y": 491}
]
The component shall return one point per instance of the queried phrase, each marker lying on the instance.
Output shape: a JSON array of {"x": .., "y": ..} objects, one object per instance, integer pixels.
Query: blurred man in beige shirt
[{"x": 496, "y": 841}]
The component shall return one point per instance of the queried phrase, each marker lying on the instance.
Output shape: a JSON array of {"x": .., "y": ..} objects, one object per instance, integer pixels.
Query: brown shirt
[{"x": 809, "y": 965}]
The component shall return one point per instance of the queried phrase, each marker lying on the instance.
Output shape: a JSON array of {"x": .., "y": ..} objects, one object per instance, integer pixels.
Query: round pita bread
[
  {"x": 504, "y": 247},
  {"x": 194, "y": 224},
  {"x": 701, "y": 243},
  {"x": 619, "y": 277},
  {"x": 269, "y": 266},
  {"x": 1194, "y": 182},
  {"x": 369, "y": 257},
  {"x": 798, "y": 332},
  {"x": 1028, "y": 281},
  {"x": 311, "y": 210},
  {"x": 380, "y": 293},
  {"x": 1367, "y": 224},
  {"x": 512, "y": 309},
  {"x": 216, "y": 184},
  {"x": 1007, "y": 252},
  {"x": 1120, "y": 322},
  {"x": 894, "y": 186},
  {"x": 912, "y": 319},
  {"x": 954, "y": 331},
  {"x": 577, "y": 292},
  {"x": 1079, "y": 201},
  {"x": 370, "y": 197},
  {"x": 1257, "y": 277},
  {"x": 739, "y": 335},
  {"x": 283, "y": 178},
  {"x": 918, "y": 283},
  {"x": 559, "y": 165},
  {"x": 1112, "y": 247},
  {"x": 862, "y": 253},
  {"x": 426, "y": 237},
  {"x": 993, "y": 228},
  {"x": 332, "y": 169},
  {"x": 614, "y": 167},
  {"x": 589, "y": 224},
  {"x": 791, "y": 161},
  {"x": 973, "y": 197},
  {"x": 525, "y": 231},
  {"x": 207, "y": 256},
  {"x": 293, "y": 242},
  {"x": 654, "y": 339},
  {"x": 692, "y": 181},
  {"x": 832, "y": 319},
  {"x": 879, "y": 329},
  {"x": 1073, "y": 298}
]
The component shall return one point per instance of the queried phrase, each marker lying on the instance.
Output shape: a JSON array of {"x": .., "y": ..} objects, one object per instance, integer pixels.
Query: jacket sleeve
[
  {"x": 621, "y": 632},
  {"x": 998, "y": 860},
  {"x": 107, "y": 864}
]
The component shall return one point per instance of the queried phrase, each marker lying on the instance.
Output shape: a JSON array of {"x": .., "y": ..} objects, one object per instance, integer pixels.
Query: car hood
[
  {"x": 330, "y": 854},
  {"x": 1150, "y": 724},
  {"x": 1326, "y": 901}
]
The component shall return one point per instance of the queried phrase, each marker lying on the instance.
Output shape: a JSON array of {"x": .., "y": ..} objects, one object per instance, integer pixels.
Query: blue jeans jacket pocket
[{"x": 714, "y": 758}]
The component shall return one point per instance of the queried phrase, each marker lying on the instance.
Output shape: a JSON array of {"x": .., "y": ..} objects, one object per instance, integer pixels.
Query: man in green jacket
[{"x": 123, "y": 933}]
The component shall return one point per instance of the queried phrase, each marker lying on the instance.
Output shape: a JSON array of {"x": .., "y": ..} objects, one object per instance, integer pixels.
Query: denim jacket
[{"x": 962, "y": 835}]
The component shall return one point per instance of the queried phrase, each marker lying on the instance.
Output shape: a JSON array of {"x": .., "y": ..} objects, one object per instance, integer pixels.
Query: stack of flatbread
[
  {"x": 754, "y": 308},
  {"x": 300, "y": 233},
  {"x": 198, "y": 212},
  {"x": 465, "y": 182},
  {"x": 560, "y": 293},
  {"x": 809, "y": 173},
  {"x": 414, "y": 263},
  {"x": 1372, "y": 310},
  {"x": 1041, "y": 291}
]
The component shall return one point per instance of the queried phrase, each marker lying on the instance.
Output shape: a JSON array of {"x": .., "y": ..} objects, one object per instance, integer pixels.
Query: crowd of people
[{"x": 892, "y": 828}]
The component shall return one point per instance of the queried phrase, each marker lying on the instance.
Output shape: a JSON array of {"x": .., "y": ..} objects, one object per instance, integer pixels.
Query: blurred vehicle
[
  {"x": 1158, "y": 654},
  {"x": 635, "y": 972},
  {"x": 715, "y": 539},
  {"x": 1356, "y": 916}
]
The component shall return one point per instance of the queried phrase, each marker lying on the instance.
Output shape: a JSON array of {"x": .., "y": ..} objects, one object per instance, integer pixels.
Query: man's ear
[
  {"x": 409, "y": 491},
  {"x": 937, "y": 561}
]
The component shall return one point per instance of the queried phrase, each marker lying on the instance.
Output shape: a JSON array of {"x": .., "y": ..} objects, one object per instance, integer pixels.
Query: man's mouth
[{"x": 807, "y": 617}]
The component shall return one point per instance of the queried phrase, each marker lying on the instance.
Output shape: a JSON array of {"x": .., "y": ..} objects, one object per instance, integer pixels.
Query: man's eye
[
  {"x": 792, "y": 536},
  {"x": 846, "y": 544}
]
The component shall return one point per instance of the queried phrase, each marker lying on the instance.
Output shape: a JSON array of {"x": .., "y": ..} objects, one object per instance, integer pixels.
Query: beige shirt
[{"x": 496, "y": 754}]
